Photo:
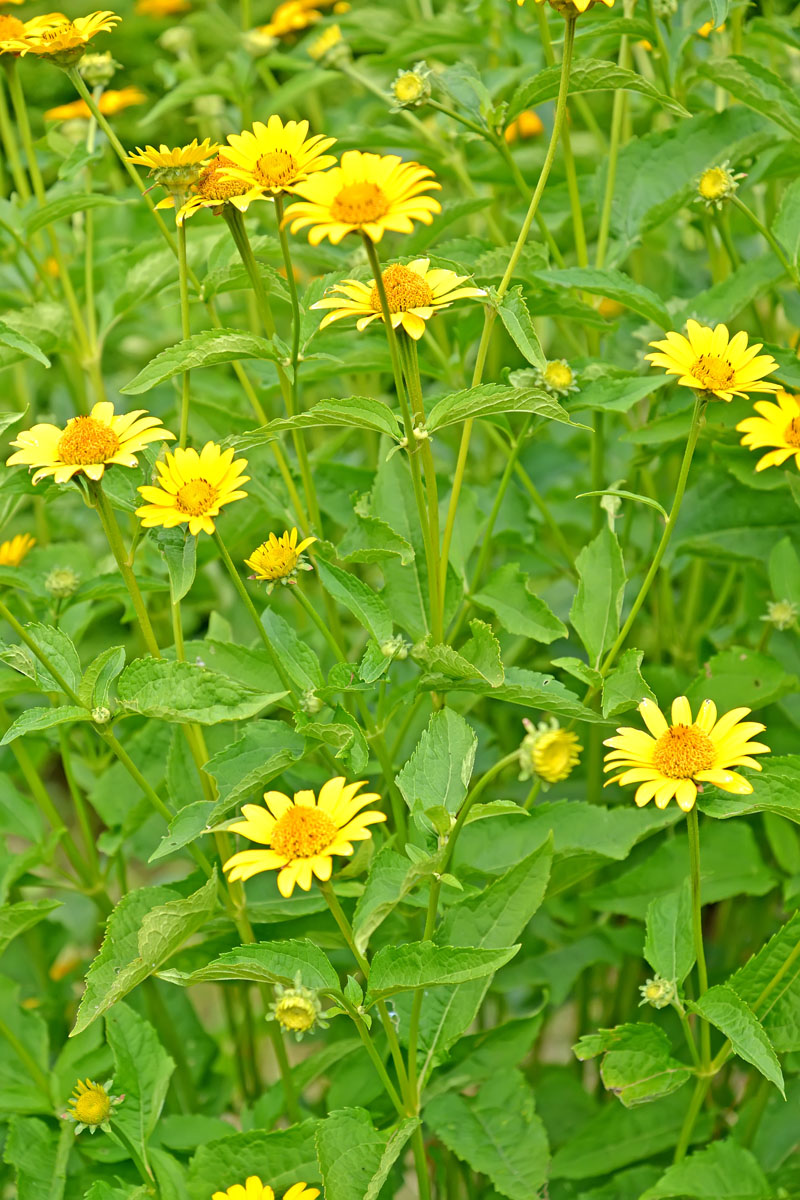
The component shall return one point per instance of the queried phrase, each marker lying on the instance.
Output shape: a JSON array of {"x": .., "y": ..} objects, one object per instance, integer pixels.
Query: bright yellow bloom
[
  {"x": 413, "y": 292},
  {"x": 213, "y": 189},
  {"x": 718, "y": 184},
  {"x": 193, "y": 488},
  {"x": 254, "y": 1189},
  {"x": 679, "y": 757},
  {"x": 708, "y": 27},
  {"x": 13, "y": 551},
  {"x": 278, "y": 559},
  {"x": 161, "y": 8},
  {"x": 558, "y": 377},
  {"x": 276, "y": 157},
  {"x": 322, "y": 45},
  {"x": 11, "y": 31},
  {"x": 110, "y": 103},
  {"x": 56, "y": 36},
  {"x": 293, "y": 16},
  {"x": 90, "y": 1105},
  {"x": 710, "y": 360},
  {"x": 196, "y": 154},
  {"x": 365, "y": 193},
  {"x": 87, "y": 445},
  {"x": 778, "y": 427},
  {"x": 296, "y": 1009},
  {"x": 572, "y": 7},
  {"x": 527, "y": 125},
  {"x": 548, "y": 751},
  {"x": 303, "y": 833}
]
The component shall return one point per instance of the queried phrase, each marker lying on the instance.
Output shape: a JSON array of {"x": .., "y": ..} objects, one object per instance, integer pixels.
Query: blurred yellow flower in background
[
  {"x": 13, "y": 551},
  {"x": 110, "y": 103}
]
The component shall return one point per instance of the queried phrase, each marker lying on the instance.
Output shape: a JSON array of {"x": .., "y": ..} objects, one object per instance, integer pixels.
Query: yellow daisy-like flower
[
  {"x": 558, "y": 377},
  {"x": 303, "y": 833},
  {"x": 708, "y": 27},
  {"x": 413, "y": 292},
  {"x": 87, "y": 445},
  {"x": 91, "y": 1106},
  {"x": 56, "y": 36},
  {"x": 327, "y": 41},
  {"x": 290, "y": 18},
  {"x": 548, "y": 751},
  {"x": 12, "y": 30},
  {"x": 365, "y": 193},
  {"x": 276, "y": 157},
  {"x": 196, "y": 154},
  {"x": 277, "y": 559},
  {"x": 254, "y": 1189},
  {"x": 527, "y": 125},
  {"x": 718, "y": 184},
  {"x": 13, "y": 551},
  {"x": 213, "y": 189},
  {"x": 193, "y": 488},
  {"x": 680, "y": 756},
  {"x": 110, "y": 103},
  {"x": 710, "y": 360},
  {"x": 777, "y": 427}
]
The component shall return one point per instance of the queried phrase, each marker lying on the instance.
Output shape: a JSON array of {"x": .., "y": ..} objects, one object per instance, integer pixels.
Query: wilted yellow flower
[
  {"x": 161, "y": 8},
  {"x": 13, "y": 551},
  {"x": 296, "y": 1009},
  {"x": 302, "y": 834},
  {"x": 276, "y": 157},
  {"x": 254, "y": 1189},
  {"x": 193, "y": 488},
  {"x": 90, "y": 1106},
  {"x": 87, "y": 445},
  {"x": 679, "y": 757},
  {"x": 548, "y": 751},
  {"x": 56, "y": 36},
  {"x": 110, "y": 103},
  {"x": 278, "y": 559},
  {"x": 710, "y": 360},
  {"x": 414, "y": 292},
  {"x": 777, "y": 427},
  {"x": 365, "y": 193},
  {"x": 527, "y": 125}
]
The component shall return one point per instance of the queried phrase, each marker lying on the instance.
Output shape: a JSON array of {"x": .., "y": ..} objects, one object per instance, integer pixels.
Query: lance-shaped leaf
[
  {"x": 616, "y": 285},
  {"x": 597, "y": 606},
  {"x": 440, "y": 768},
  {"x": 426, "y": 965},
  {"x": 669, "y": 945},
  {"x": 588, "y": 75},
  {"x": 492, "y": 400},
  {"x": 210, "y": 348},
  {"x": 266, "y": 962},
  {"x": 354, "y": 412},
  {"x": 729, "y": 1013},
  {"x": 186, "y": 693}
]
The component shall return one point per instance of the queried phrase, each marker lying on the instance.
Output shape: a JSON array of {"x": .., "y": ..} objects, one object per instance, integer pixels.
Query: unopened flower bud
[
  {"x": 781, "y": 613},
  {"x": 101, "y": 715},
  {"x": 658, "y": 992},
  {"x": 62, "y": 582},
  {"x": 412, "y": 88}
]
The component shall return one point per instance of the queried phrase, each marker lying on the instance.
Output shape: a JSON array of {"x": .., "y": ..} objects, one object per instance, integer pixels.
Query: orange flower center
[
  {"x": 212, "y": 185},
  {"x": 359, "y": 203},
  {"x": 93, "y": 1107},
  {"x": 196, "y": 497},
  {"x": 86, "y": 441},
  {"x": 791, "y": 433},
  {"x": 404, "y": 290},
  {"x": 715, "y": 374},
  {"x": 10, "y": 27},
  {"x": 275, "y": 169},
  {"x": 682, "y": 751},
  {"x": 302, "y": 832}
]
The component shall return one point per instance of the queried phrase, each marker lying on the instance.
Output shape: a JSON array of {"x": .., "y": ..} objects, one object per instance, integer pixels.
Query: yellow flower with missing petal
[
  {"x": 778, "y": 427},
  {"x": 302, "y": 834},
  {"x": 710, "y": 360},
  {"x": 193, "y": 488},
  {"x": 87, "y": 445},
  {"x": 13, "y": 551},
  {"x": 278, "y": 559},
  {"x": 674, "y": 760},
  {"x": 276, "y": 157},
  {"x": 254, "y": 1189}
]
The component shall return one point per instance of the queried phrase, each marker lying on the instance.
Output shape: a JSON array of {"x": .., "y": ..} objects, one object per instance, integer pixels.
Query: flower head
[
  {"x": 277, "y": 560},
  {"x": 254, "y": 1189},
  {"x": 414, "y": 292},
  {"x": 675, "y": 759},
  {"x": 296, "y": 1009},
  {"x": 110, "y": 103},
  {"x": 303, "y": 833},
  {"x": 292, "y": 17},
  {"x": 214, "y": 189},
  {"x": 708, "y": 27},
  {"x": 558, "y": 377},
  {"x": 176, "y": 169},
  {"x": 411, "y": 88},
  {"x": 781, "y": 614},
  {"x": 658, "y": 992},
  {"x": 91, "y": 1106},
  {"x": 12, "y": 31},
  {"x": 56, "y": 37},
  {"x": 275, "y": 158},
  {"x": 329, "y": 47},
  {"x": 527, "y": 125},
  {"x": 192, "y": 488},
  {"x": 365, "y": 193},
  {"x": 62, "y": 582},
  {"x": 13, "y": 551},
  {"x": 87, "y": 445},
  {"x": 710, "y": 360},
  {"x": 548, "y": 752},
  {"x": 717, "y": 184},
  {"x": 776, "y": 429},
  {"x": 572, "y": 8}
]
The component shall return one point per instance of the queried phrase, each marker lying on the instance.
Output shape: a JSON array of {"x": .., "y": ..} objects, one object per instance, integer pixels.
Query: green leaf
[
  {"x": 588, "y": 75},
  {"x": 133, "y": 949},
  {"x": 786, "y": 225},
  {"x": 770, "y": 984},
  {"x": 618, "y": 393},
  {"x": 354, "y": 1157},
  {"x": 669, "y": 945},
  {"x": 648, "y": 500},
  {"x": 597, "y": 606},
  {"x": 478, "y": 657},
  {"x": 371, "y": 540},
  {"x": 613, "y": 284},
  {"x": 210, "y": 348},
  {"x": 142, "y": 1071},
  {"x": 297, "y": 656},
  {"x": 426, "y": 965},
  {"x": 784, "y": 571},
  {"x": 391, "y": 878},
  {"x": 66, "y": 206},
  {"x": 637, "y": 1065},
  {"x": 624, "y": 688},
  {"x": 243, "y": 769},
  {"x": 33, "y": 720},
  {"x": 31, "y": 1147},
  {"x": 531, "y": 689},
  {"x": 513, "y": 312},
  {"x": 492, "y": 400},
  {"x": 754, "y": 679},
  {"x": 497, "y": 1133},
  {"x": 507, "y": 594},
  {"x": 266, "y": 962},
  {"x": 755, "y": 85},
  {"x": 186, "y": 693},
  {"x": 283, "y": 1157},
  {"x": 366, "y": 606},
  {"x": 179, "y": 548},
  {"x": 57, "y": 647},
  {"x": 722, "y": 1171},
  {"x": 354, "y": 412},
  {"x": 726, "y": 1011},
  {"x": 18, "y": 341},
  {"x": 185, "y": 827},
  {"x": 99, "y": 675},
  {"x": 25, "y": 1081},
  {"x": 440, "y": 768},
  {"x": 16, "y": 918}
]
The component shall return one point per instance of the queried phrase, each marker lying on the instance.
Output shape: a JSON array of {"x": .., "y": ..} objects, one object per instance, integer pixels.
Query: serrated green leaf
[
  {"x": 597, "y": 606},
  {"x": 440, "y": 768},
  {"x": 513, "y": 312},
  {"x": 266, "y": 962},
  {"x": 354, "y": 1157},
  {"x": 210, "y": 348},
  {"x": 16, "y": 918},
  {"x": 613, "y": 284},
  {"x": 624, "y": 688},
  {"x": 186, "y": 693},
  {"x": 35, "y": 720},
  {"x": 491, "y": 400},
  {"x": 669, "y": 945},
  {"x": 425, "y": 965},
  {"x": 366, "y": 605},
  {"x": 638, "y": 1065},
  {"x": 354, "y": 412},
  {"x": 519, "y": 611},
  {"x": 729, "y": 1013},
  {"x": 99, "y": 675},
  {"x": 588, "y": 75},
  {"x": 722, "y": 1171}
]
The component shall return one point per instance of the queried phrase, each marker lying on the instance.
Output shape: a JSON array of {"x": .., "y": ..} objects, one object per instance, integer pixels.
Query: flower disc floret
[
  {"x": 717, "y": 184},
  {"x": 193, "y": 488},
  {"x": 557, "y": 377},
  {"x": 710, "y": 360},
  {"x": 91, "y": 1105}
]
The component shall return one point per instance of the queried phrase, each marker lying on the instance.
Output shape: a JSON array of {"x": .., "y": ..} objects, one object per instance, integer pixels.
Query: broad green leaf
[
  {"x": 439, "y": 770},
  {"x": 513, "y": 312},
  {"x": 617, "y": 393},
  {"x": 134, "y": 948},
  {"x": 669, "y": 944},
  {"x": 25, "y": 1081},
  {"x": 298, "y": 658},
  {"x": 638, "y": 1065},
  {"x": 786, "y": 225},
  {"x": 726, "y": 1010},
  {"x": 497, "y": 1133},
  {"x": 32, "y": 1148},
  {"x": 7, "y": 419},
  {"x": 57, "y": 647},
  {"x": 724, "y": 1170},
  {"x": 186, "y": 693},
  {"x": 754, "y": 679},
  {"x": 531, "y": 689},
  {"x": 506, "y": 593},
  {"x": 18, "y": 341},
  {"x": 244, "y": 768},
  {"x": 719, "y": 11},
  {"x": 426, "y": 965},
  {"x": 372, "y": 540},
  {"x": 355, "y": 412},
  {"x": 16, "y": 918},
  {"x": 266, "y": 962},
  {"x": 343, "y": 734},
  {"x": 185, "y": 827},
  {"x": 283, "y": 1157},
  {"x": 624, "y": 688},
  {"x": 210, "y": 348},
  {"x": 142, "y": 1071},
  {"x": 66, "y": 206},
  {"x": 754, "y": 84},
  {"x": 354, "y": 1157},
  {"x": 784, "y": 571},
  {"x": 770, "y": 984},
  {"x": 492, "y": 400},
  {"x": 179, "y": 548},
  {"x": 33, "y": 720},
  {"x": 613, "y": 284},
  {"x": 366, "y": 605},
  {"x": 99, "y": 675},
  {"x": 391, "y": 878},
  {"x": 478, "y": 657},
  {"x": 597, "y": 606},
  {"x": 588, "y": 75}
]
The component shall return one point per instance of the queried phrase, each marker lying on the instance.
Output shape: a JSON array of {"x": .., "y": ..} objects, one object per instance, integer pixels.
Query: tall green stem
[
  {"x": 186, "y": 326},
  {"x": 114, "y": 536},
  {"x": 693, "y": 829},
  {"x": 9, "y": 141}
]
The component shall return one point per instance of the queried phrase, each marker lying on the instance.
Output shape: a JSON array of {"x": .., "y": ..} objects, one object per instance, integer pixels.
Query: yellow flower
[
  {"x": 717, "y": 184},
  {"x": 414, "y": 293},
  {"x": 212, "y": 189},
  {"x": 527, "y": 125},
  {"x": 710, "y": 360},
  {"x": 278, "y": 559},
  {"x": 781, "y": 614},
  {"x": 778, "y": 427},
  {"x": 176, "y": 169},
  {"x": 367, "y": 193},
  {"x": 571, "y": 8},
  {"x": 412, "y": 88},
  {"x": 293, "y": 16},
  {"x": 12, "y": 30},
  {"x": 558, "y": 377},
  {"x": 110, "y": 103},
  {"x": 708, "y": 27},
  {"x": 254, "y": 1189},
  {"x": 684, "y": 754},
  {"x": 55, "y": 36},
  {"x": 90, "y": 1105},
  {"x": 4, "y": 2},
  {"x": 161, "y": 8},
  {"x": 548, "y": 751},
  {"x": 321, "y": 47},
  {"x": 276, "y": 157},
  {"x": 303, "y": 833},
  {"x": 193, "y": 488},
  {"x": 296, "y": 1009},
  {"x": 87, "y": 445},
  {"x": 13, "y": 551}
]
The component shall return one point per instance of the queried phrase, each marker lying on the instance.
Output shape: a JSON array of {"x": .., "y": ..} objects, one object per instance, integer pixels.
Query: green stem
[
  {"x": 11, "y": 148},
  {"x": 186, "y": 326},
  {"x": 692, "y": 1113},
  {"x": 80, "y": 807},
  {"x": 768, "y": 236},
  {"x": 114, "y": 536},
  {"x": 693, "y": 829},
  {"x": 375, "y": 1058},
  {"x": 617, "y": 119}
]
